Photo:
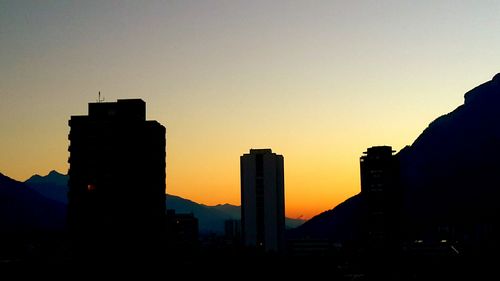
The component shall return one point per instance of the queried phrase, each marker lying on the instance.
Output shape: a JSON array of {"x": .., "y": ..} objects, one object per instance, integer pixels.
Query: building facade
[
  {"x": 263, "y": 200},
  {"x": 182, "y": 230},
  {"x": 232, "y": 232},
  {"x": 381, "y": 194},
  {"x": 116, "y": 178}
]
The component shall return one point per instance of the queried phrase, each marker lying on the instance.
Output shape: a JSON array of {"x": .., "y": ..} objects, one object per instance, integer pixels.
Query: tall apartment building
[
  {"x": 380, "y": 192},
  {"x": 263, "y": 200},
  {"x": 116, "y": 177}
]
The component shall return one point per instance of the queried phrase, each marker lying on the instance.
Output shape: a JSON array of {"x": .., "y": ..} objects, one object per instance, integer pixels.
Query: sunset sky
[{"x": 316, "y": 81}]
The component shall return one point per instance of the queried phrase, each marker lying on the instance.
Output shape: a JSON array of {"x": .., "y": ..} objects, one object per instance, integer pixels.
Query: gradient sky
[{"x": 316, "y": 81}]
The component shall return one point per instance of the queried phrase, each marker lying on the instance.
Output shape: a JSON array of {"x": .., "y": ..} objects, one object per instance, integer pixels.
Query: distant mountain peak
[
  {"x": 23, "y": 209},
  {"x": 496, "y": 78},
  {"x": 486, "y": 94},
  {"x": 50, "y": 177},
  {"x": 54, "y": 173},
  {"x": 225, "y": 205}
]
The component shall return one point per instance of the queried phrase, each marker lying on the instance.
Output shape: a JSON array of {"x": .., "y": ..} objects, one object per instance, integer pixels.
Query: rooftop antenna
[{"x": 99, "y": 100}]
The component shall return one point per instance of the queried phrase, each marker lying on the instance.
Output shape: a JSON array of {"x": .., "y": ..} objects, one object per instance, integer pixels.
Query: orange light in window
[{"x": 90, "y": 187}]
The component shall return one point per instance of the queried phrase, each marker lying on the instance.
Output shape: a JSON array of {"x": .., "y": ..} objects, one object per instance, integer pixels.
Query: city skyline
[{"x": 317, "y": 82}]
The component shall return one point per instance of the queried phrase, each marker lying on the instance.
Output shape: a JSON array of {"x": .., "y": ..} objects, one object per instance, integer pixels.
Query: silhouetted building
[
  {"x": 182, "y": 229},
  {"x": 380, "y": 189},
  {"x": 232, "y": 231},
  {"x": 116, "y": 179},
  {"x": 263, "y": 199}
]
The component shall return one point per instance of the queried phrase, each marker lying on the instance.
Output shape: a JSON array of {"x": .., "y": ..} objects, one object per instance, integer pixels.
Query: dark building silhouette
[
  {"x": 182, "y": 230},
  {"x": 232, "y": 231},
  {"x": 379, "y": 190},
  {"x": 116, "y": 179},
  {"x": 263, "y": 200}
]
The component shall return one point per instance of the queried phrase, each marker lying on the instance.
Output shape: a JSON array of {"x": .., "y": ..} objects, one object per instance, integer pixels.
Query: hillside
[
  {"x": 450, "y": 176},
  {"x": 23, "y": 210},
  {"x": 211, "y": 218}
]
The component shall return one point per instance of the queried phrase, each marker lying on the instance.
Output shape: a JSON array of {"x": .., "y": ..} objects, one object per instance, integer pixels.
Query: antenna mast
[{"x": 99, "y": 100}]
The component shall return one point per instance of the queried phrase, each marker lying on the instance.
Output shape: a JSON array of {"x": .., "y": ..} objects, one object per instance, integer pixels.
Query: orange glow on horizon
[{"x": 318, "y": 84}]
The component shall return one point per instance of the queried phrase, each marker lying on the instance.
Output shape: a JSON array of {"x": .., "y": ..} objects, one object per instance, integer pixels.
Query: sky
[{"x": 316, "y": 81}]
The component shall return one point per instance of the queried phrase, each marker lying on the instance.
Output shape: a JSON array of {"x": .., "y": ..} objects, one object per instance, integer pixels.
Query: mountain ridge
[
  {"x": 24, "y": 210},
  {"x": 449, "y": 174},
  {"x": 211, "y": 218}
]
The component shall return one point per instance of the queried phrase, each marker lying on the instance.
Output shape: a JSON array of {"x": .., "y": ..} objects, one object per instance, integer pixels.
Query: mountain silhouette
[
  {"x": 211, "y": 218},
  {"x": 24, "y": 210},
  {"x": 232, "y": 210},
  {"x": 340, "y": 224},
  {"x": 53, "y": 186},
  {"x": 450, "y": 176},
  {"x": 451, "y": 173}
]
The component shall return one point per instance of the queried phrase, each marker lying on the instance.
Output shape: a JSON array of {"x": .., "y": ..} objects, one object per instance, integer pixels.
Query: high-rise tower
[
  {"x": 116, "y": 178},
  {"x": 263, "y": 199}
]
